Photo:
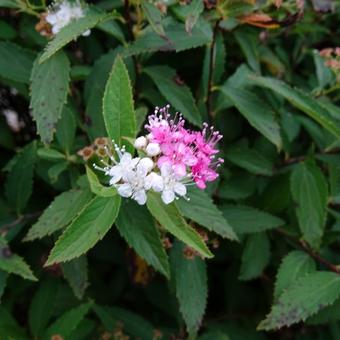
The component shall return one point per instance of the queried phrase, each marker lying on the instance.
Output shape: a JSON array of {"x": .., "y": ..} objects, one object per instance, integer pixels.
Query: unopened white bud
[
  {"x": 140, "y": 143},
  {"x": 146, "y": 163},
  {"x": 153, "y": 149}
]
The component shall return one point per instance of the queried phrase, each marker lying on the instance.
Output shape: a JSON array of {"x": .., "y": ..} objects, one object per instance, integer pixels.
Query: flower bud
[
  {"x": 140, "y": 143},
  {"x": 153, "y": 149},
  {"x": 146, "y": 163}
]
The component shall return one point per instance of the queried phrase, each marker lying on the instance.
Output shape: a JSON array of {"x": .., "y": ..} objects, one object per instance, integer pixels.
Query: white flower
[
  {"x": 172, "y": 184},
  {"x": 120, "y": 170},
  {"x": 155, "y": 182},
  {"x": 140, "y": 143},
  {"x": 153, "y": 149},
  {"x": 135, "y": 185},
  {"x": 60, "y": 14}
]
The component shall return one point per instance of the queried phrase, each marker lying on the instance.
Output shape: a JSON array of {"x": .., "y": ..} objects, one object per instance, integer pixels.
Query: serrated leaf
[
  {"x": 302, "y": 101},
  {"x": 256, "y": 111},
  {"x": 250, "y": 159},
  {"x": 133, "y": 324},
  {"x": 69, "y": 321},
  {"x": 303, "y": 299},
  {"x": 73, "y": 30},
  {"x": 195, "y": 8},
  {"x": 93, "y": 94},
  {"x": 40, "y": 311},
  {"x": 49, "y": 86},
  {"x": 203, "y": 211},
  {"x": 255, "y": 257},
  {"x": 170, "y": 218},
  {"x": 63, "y": 209},
  {"x": 190, "y": 276},
  {"x": 137, "y": 227},
  {"x": 310, "y": 192},
  {"x": 76, "y": 273},
  {"x": 177, "y": 39},
  {"x": 329, "y": 314},
  {"x": 13, "y": 263},
  {"x": 245, "y": 219},
  {"x": 3, "y": 282},
  {"x": 154, "y": 16},
  {"x": 111, "y": 27},
  {"x": 118, "y": 111},
  {"x": 179, "y": 96},
  {"x": 293, "y": 266},
  {"x": 66, "y": 129},
  {"x": 96, "y": 187},
  {"x": 89, "y": 227},
  {"x": 19, "y": 182},
  {"x": 15, "y": 62}
]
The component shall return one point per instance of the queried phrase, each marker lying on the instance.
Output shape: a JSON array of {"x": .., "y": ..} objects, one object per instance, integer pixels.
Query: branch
[
  {"x": 211, "y": 68},
  {"x": 23, "y": 218}
]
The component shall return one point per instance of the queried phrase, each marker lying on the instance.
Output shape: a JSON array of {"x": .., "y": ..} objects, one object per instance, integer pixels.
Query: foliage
[{"x": 255, "y": 255}]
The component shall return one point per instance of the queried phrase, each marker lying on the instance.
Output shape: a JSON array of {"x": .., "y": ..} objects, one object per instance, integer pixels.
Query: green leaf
[
  {"x": 19, "y": 182},
  {"x": 190, "y": 276},
  {"x": 9, "y": 328},
  {"x": 179, "y": 96},
  {"x": 303, "y": 299},
  {"x": 76, "y": 273},
  {"x": 93, "y": 94},
  {"x": 73, "y": 30},
  {"x": 10, "y": 3},
  {"x": 154, "y": 17},
  {"x": 63, "y": 209},
  {"x": 255, "y": 257},
  {"x": 96, "y": 187},
  {"x": 203, "y": 211},
  {"x": 40, "y": 311},
  {"x": 3, "y": 282},
  {"x": 177, "y": 39},
  {"x": 294, "y": 266},
  {"x": 86, "y": 229},
  {"x": 66, "y": 129},
  {"x": 12, "y": 263},
  {"x": 133, "y": 324},
  {"x": 250, "y": 159},
  {"x": 170, "y": 218},
  {"x": 15, "y": 62},
  {"x": 50, "y": 154},
  {"x": 49, "y": 86},
  {"x": 137, "y": 227},
  {"x": 256, "y": 111},
  {"x": 111, "y": 27},
  {"x": 245, "y": 220},
  {"x": 69, "y": 321},
  {"x": 302, "y": 101},
  {"x": 195, "y": 8},
  {"x": 118, "y": 111},
  {"x": 326, "y": 315},
  {"x": 310, "y": 192}
]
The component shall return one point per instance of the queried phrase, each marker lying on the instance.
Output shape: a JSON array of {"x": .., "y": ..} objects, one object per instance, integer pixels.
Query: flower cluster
[
  {"x": 61, "y": 13},
  {"x": 174, "y": 157},
  {"x": 332, "y": 60}
]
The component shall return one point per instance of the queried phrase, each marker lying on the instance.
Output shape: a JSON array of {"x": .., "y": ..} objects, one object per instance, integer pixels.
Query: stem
[
  {"x": 312, "y": 253},
  {"x": 211, "y": 69},
  {"x": 6, "y": 227}
]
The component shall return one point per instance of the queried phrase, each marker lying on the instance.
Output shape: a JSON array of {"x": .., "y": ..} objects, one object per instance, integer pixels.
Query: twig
[
  {"x": 211, "y": 69},
  {"x": 6, "y": 227},
  {"x": 312, "y": 253}
]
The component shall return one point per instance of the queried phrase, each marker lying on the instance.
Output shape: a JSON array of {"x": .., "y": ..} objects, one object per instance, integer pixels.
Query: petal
[
  {"x": 126, "y": 159},
  {"x": 140, "y": 197},
  {"x": 166, "y": 170},
  {"x": 180, "y": 189},
  {"x": 116, "y": 174},
  {"x": 168, "y": 196},
  {"x": 180, "y": 169},
  {"x": 125, "y": 190}
]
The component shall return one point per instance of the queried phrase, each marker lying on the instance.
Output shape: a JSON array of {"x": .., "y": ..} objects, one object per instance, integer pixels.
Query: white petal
[
  {"x": 155, "y": 182},
  {"x": 166, "y": 170},
  {"x": 180, "y": 189},
  {"x": 116, "y": 174},
  {"x": 134, "y": 162},
  {"x": 153, "y": 149},
  {"x": 125, "y": 190},
  {"x": 126, "y": 159},
  {"x": 146, "y": 163},
  {"x": 140, "y": 197},
  {"x": 86, "y": 33},
  {"x": 168, "y": 196}
]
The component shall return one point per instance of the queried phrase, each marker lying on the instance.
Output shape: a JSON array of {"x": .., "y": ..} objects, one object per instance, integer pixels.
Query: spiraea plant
[{"x": 169, "y": 169}]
